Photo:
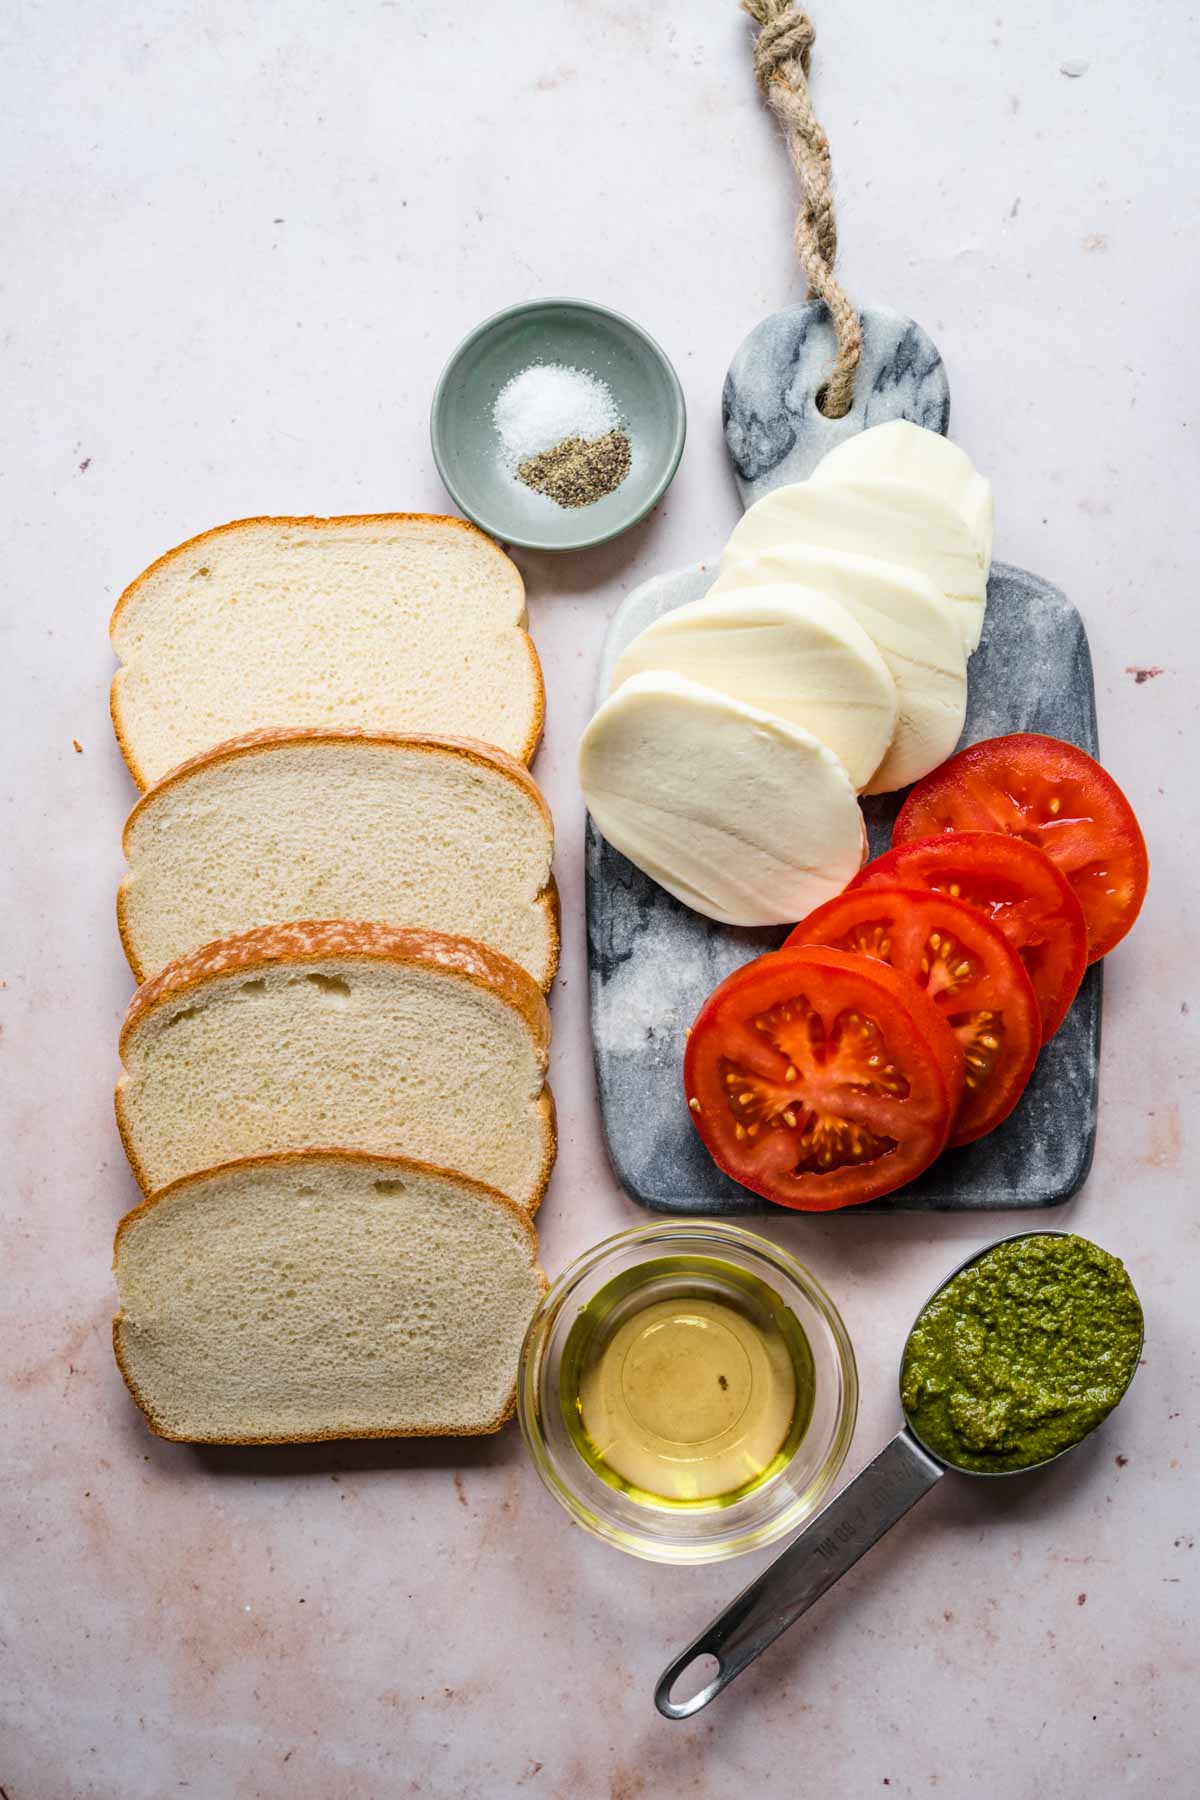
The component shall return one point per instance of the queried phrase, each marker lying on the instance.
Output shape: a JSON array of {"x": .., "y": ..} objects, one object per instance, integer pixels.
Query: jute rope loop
[{"x": 782, "y": 52}]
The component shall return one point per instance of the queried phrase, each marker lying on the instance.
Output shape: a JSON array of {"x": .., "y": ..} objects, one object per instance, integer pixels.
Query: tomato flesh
[
  {"x": 1018, "y": 888},
  {"x": 820, "y": 1078},
  {"x": 968, "y": 969},
  {"x": 1056, "y": 797}
]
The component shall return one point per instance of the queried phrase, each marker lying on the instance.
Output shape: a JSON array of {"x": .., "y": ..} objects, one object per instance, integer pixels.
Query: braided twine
[{"x": 782, "y": 51}]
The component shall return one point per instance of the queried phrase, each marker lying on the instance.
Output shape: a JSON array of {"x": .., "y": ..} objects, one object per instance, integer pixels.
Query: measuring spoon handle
[{"x": 833, "y": 1542}]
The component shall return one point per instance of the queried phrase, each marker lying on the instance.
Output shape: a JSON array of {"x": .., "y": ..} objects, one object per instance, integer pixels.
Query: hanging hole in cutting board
[{"x": 771, "y": 413}]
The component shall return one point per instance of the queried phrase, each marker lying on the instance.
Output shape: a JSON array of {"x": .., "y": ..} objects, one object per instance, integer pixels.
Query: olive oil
[{"x": 687, "y": 1383}]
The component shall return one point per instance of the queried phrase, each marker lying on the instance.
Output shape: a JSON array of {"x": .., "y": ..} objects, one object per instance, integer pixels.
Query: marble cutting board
[{"x": 652, "y": 961}]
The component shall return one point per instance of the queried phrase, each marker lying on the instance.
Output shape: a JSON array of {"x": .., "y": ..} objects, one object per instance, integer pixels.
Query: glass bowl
[{"x": 662, "y": 1531}]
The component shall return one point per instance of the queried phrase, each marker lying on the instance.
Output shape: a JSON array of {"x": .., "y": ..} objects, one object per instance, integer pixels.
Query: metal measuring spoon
[{"x": 833, "y": 1542}]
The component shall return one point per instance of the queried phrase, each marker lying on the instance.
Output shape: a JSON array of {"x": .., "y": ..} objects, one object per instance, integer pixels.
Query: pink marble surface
[{"x": 241, "y": 240}]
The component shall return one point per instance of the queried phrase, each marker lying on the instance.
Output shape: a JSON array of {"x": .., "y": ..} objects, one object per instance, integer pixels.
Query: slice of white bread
[
  {"x": 441, "y": 833},
  {"x": 357, "y": 1037},
  {"x": 397, "y": 622},
  {"x": 288, "y": 1298}
]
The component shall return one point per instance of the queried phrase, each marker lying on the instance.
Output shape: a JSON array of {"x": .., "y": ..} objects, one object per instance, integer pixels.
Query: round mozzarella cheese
[
  {"x": 900, "y": 451},
  {"x": 913, "y": 627},
  {"x": 741, "y": 816},
  {"x": 887, "y": 519},
  {"x": 786, "y": 650}
]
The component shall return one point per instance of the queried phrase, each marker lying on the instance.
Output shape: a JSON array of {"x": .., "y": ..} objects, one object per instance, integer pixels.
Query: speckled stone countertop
[{"x": 241, "y": 241}]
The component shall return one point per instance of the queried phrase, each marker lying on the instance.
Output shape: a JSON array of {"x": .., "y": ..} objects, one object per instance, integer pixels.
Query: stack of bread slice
[{"x": 340, "y": 909}]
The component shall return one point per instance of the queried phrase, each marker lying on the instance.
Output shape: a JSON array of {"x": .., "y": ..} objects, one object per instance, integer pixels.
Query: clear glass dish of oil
[
  {"x": 686, "y": 1382},
  {"x": 687, "y": 1392}
]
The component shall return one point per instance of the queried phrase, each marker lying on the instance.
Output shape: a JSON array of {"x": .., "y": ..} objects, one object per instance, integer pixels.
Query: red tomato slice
[
  {"x": 1020, "y": 890},
  {"x": 969, "y": 970},
  {"x": 818, "y": 1078},
  {"x": 1056, "y": 797}
]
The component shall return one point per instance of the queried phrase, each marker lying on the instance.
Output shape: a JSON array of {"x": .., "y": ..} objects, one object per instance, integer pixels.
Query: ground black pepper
[{"x": 579, "y": 471}]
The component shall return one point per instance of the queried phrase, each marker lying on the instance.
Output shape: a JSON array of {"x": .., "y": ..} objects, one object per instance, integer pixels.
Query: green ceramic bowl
[{"x": 602, "y": 343}]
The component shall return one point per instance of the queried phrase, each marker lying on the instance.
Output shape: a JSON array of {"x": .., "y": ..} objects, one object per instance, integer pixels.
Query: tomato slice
[
  {"x": 820, "y": 1078},
  {"x": 1051, "y": 795},
  {"x": 1021, "y": 891},
  {"x": 969, "y": 970}
]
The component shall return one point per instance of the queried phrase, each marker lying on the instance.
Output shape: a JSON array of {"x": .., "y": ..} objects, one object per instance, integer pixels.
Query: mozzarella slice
[
  {"x": 744, "y": 818},
  {"x": 888, "y": 519},
  {"x": 900, "y": 451},
  {"x": 789, "y": 651},
  {"x": 916, "y": 633}
]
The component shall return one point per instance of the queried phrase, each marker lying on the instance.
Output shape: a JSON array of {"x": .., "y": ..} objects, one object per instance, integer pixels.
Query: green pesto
[{"x": 1022, "y": 1353}]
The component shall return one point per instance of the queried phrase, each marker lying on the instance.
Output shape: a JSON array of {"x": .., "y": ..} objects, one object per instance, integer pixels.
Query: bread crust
[
  {"x": 537, "y": 723},
  {"x": 313, "y": 522},
  {"x": 389, "y": 1165},
  {"x": 322, "y": 940},
  {"x": 311, "y": 940},
  {"x": 551, "y": 899},
  {"x": 254, "y": 743}
]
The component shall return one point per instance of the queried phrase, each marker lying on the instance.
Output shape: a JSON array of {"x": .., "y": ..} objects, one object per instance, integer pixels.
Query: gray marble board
[{"x": 652, "y": 961}]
